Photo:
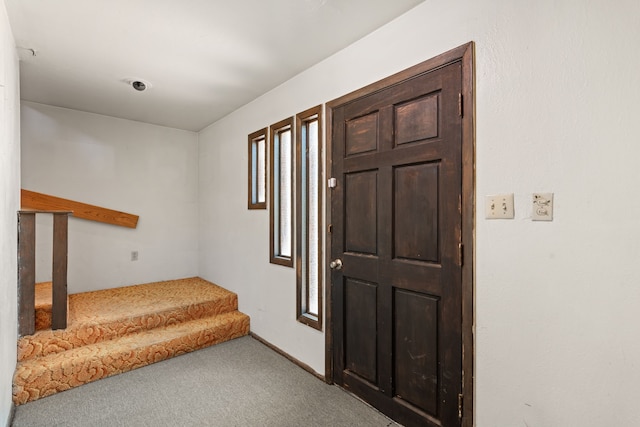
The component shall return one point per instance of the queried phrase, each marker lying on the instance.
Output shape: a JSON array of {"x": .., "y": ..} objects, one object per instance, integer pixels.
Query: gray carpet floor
[{"x": 237, "y": 383}]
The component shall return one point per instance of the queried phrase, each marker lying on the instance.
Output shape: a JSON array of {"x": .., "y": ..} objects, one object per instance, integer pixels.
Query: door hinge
[
  {"x": 332, "y": 182},
  {"x": 460, "y": 254},
  {"x": 460, "y": 104},
  {"x": 460, "y": 405}
]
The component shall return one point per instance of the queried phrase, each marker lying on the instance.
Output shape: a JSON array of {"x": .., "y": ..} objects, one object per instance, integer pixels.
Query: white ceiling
[{"x": 203, "y": 58}]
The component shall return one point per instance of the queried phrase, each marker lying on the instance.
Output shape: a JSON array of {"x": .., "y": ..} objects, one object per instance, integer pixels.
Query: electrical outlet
[
  {"x": 499, "y": 206},
  {"x": 134, "y": 255},
  {"x": 542, "y": 207}
]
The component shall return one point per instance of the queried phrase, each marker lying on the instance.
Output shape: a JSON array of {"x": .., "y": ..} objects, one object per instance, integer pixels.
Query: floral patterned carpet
[{"x": 117, "y": 330}]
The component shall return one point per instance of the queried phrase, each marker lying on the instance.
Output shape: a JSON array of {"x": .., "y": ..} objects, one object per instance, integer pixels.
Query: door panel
[
  {"x": 416, "y": 349},
  {"x": 360, "y": 330},
  {"x": 361, "y": 134},
  {"x": 417, "y": 119},
  {"x": 397, "y": 306},
  {"x": 416, "y": 196},
  {"x": 360, "y": 219}
]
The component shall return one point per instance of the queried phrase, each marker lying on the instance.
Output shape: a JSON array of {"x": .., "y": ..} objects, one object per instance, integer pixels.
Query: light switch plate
[
  {"x": 499, "y": 206},
  {"x": 542, "y": 209}
]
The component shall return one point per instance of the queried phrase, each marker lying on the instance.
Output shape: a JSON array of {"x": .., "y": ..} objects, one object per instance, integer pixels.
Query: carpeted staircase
[{"x": 116, "y": 330}]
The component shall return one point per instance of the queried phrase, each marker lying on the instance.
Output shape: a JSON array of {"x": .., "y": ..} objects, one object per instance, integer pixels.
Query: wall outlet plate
[
  {"x": 499, "y": 206},
  {"x": 542, "y": 209}
]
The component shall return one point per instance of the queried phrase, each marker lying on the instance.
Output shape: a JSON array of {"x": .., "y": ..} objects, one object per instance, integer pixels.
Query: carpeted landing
[{"x": 117, "y": 330}]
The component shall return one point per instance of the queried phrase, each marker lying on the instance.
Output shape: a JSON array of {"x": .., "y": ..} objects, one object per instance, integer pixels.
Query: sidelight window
[
  {"x": 281, "y": 190},
  {"x": 258, "y": 169},
  {"x": 308, "y": 216}
]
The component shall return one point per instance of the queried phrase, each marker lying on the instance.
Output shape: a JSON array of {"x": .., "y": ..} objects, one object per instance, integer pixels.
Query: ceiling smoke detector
[{"x": 138, "y": 85}]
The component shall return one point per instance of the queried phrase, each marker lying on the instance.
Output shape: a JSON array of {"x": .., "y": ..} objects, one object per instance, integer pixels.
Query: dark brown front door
[{"x": 396, "y": 219}]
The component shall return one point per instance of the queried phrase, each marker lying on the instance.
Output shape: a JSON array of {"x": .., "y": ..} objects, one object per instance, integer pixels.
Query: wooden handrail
[
  {"x": 40, "y": 201},
  {"x": 27, "y": 270}
]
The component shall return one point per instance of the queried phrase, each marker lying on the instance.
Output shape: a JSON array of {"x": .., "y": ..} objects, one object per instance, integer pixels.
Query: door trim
[{"x": 464, "y": 54}]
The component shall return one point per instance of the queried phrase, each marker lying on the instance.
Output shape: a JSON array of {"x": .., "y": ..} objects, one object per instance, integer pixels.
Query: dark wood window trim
[
  {"x": 257, "y": 172},
  {"x": 276, "y": 226},
  {"x": 305, "y": 312}
]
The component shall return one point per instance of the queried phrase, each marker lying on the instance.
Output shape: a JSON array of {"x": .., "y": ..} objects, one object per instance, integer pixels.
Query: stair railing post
[
  {"x": 26, "y": 273},
  {"x": 59, "y": 274}
]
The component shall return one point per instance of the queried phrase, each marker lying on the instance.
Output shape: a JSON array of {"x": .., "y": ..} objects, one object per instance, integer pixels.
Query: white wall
[
  {"x": 9, "y": 205},
  {"x": 143, "y": 169},
  {"x": 557, "y": 106}
]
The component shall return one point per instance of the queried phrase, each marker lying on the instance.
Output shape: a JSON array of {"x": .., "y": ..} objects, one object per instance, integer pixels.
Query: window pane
[
  {"x": 285, "y": 193},
  {"x": 254, "y": 171},
  {"x": 261, "y": 196},
  {"x": 312, "y": 230},
  {"x": 275, "y": 199}
]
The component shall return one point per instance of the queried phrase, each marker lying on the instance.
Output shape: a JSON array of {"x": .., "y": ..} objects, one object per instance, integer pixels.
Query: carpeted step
[
  {"x": 104, "y": 315},
  {"x": 46, "y": 375},
  {"x": 117, "y": 330}
]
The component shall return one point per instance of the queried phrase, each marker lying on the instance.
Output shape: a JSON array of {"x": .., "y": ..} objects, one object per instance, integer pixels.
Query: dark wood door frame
[{"x": 465, "y": 55}]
